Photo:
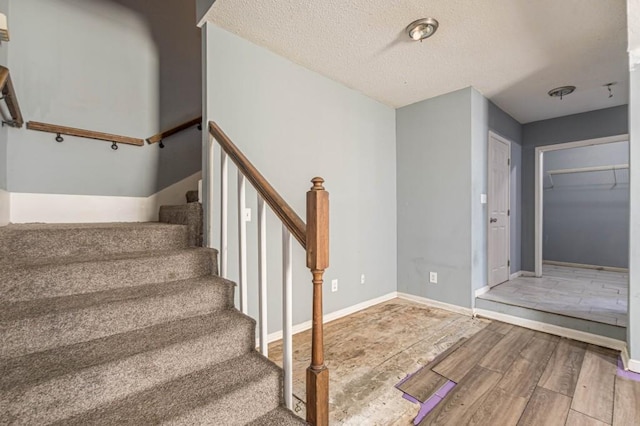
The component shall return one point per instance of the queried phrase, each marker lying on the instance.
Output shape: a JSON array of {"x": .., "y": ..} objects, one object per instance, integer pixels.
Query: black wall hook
[
  {"x": 59, "y": 138},
  {"x": 114, "y": 146},
  {"x": 161, "y": 145}
]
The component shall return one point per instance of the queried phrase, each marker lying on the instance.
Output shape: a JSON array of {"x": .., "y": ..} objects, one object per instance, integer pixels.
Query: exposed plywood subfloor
[
  {"x": 370, "y": 351},
  {"x": 599, "y": 296},
  {"x": 526, "y": 377}
]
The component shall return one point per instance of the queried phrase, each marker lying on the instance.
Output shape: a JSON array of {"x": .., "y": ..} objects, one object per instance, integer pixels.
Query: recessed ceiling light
[
  {"x": 422, "y": 28},
  {"x": 560, "y": 92}
]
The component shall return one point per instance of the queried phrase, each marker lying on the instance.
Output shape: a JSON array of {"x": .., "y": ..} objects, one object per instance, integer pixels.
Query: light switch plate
[{"x": 483, "y": 198}]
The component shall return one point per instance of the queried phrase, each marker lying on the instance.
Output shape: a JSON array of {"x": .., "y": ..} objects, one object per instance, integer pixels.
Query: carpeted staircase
[{"x": 125, "y": 324}]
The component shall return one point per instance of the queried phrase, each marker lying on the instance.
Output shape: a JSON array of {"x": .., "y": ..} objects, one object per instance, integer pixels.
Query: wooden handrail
[
  {"x": 314, "y": 238},
  {"x": 287, "y": 215},
  {"x": 158, "y": 137},
  {"x": 9, "y": 95},
  {"x": 81, "y": 133}
]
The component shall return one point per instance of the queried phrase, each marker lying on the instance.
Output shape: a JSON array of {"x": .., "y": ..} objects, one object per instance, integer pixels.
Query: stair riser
[
  {"x": 93, "y": 387},
  {"x": 49, "y": 331},
  {"x": 55, "y": 243},
  {"x": 239, "y": 406},
  {"x": 56, "y": 280}
]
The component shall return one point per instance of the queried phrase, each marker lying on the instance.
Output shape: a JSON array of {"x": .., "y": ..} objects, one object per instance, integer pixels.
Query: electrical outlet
[
  {"x": 362, "y": 279},
  {"x": 334, "y": 285},
  {"x": 247, "y": 215},
  {"x": 433, "y": 277}
]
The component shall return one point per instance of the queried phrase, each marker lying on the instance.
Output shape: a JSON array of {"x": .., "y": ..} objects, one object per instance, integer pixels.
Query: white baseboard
[
  {"x": 582, "y": 336},
  {"x": 299, "y": 328},
  {"x": 66, "y": 208},
  {"x": 585, "y": 266},
  {"x": 5, "y": 207},
  {"x": 437, "y": 304},
  {"x": 628, "y": 363},
  {"x": 522, "y": 274},
  {"x": 482, "y": 290}
]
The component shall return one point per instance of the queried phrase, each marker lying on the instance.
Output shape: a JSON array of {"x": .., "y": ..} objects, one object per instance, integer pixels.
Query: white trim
[
  {"x": 481, "y": 291},
  {"x": 529, "y": 274},
  {"x": 628, "y": 363},
  {"x": 299, "y": 328},
  {"x": 68, "y": 208},
  {"x": 539, "y": 197},
  {"x": 585, "y": 266},
  {"x": 582, "y": 336},
  {"x": 634, "y": 365},
  {"x": 508, "y": 143},
  {"x": 624, "y": 354},
  {"x": 5, "y": 207},
  {"x": 437, "y": 304}
]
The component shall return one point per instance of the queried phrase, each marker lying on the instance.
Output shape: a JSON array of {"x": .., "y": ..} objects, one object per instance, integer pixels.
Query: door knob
[{"x": 493, "y": 220}]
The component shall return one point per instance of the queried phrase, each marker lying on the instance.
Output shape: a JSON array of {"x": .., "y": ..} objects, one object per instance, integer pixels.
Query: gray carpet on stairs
[{"x": 112, "y": 324}]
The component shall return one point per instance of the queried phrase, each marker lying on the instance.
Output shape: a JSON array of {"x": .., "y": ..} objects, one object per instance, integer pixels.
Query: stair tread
[
  {"x": 281, "y": 416},
  {"x": 21, "y": 264},
  {"x": 16, "y": 310},
  {"x": 37, "y": 367},
  {"x": 86, "y": 274},
  {"x": 189, "y": 395},
  {"x": 47, "y": 330},
  {"x": 13, "y": 227},
  {"x": 40, "y": 241}
]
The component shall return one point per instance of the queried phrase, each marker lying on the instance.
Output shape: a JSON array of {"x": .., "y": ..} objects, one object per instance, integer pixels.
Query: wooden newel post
[{"x": 317, "y": 261}]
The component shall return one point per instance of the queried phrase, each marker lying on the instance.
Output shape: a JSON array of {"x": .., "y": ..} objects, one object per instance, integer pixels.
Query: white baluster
[
  {"x": 224, "y": 201},
  {"x": 287, "y": 340},
  {"x": 242, "y": 243},
  {"x": 262, "y": 276},
  {"x": 209, "y": 185}
]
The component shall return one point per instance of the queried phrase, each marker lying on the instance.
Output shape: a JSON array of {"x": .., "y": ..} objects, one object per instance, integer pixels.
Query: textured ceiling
[{"x": 512, "y": 51}]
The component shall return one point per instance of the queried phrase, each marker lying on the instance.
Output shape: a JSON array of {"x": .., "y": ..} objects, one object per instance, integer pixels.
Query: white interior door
[{"x": 498, "y": 202}]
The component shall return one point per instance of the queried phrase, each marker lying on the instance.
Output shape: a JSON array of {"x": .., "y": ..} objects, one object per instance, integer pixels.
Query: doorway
[
  {"x": 542, "y": 176},
  {"x": 499, "y": 188}
]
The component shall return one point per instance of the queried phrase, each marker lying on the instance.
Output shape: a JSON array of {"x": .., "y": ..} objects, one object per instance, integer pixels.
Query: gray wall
[
  {"x": 588, "y": 125},
  {"x": 479, "y": 181},
  {"x": 434, "y": 197},
  {"x": 294, "y": 124},
  {"x": 586, "y": 218},
  {"x": 111, "y": 66},
  {"x": 508, "y": 127},
  {"x": 4, "y": 56}
]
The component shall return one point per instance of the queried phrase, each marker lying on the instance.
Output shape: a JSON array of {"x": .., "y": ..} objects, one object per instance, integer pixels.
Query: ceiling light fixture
[
  {"x": 422, "y": 28},
  {"x": 560, "y": 92}
]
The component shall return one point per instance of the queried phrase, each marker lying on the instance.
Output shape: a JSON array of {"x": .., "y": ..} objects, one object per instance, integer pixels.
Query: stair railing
[
  {"x": 313, "y": 237},
  {"x": 159, "y": 137},
  {"x": 82, "y": 133},
  {"x": 11, "y": 100}
]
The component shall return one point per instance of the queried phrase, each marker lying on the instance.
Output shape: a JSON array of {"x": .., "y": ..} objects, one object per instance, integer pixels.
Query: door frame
[
  {"x": 488, "y": 225},
  {"x": 539, "y": 193}
]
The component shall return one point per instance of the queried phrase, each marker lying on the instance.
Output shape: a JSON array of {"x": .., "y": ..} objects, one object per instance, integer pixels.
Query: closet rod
[{"x": 588, "y": 169}]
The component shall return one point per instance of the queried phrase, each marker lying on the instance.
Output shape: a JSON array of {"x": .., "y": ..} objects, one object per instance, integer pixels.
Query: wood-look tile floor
[
  {"x": 513, "y": 375},
  {"x": 509, "y": 375},
  {"x": 590, "y": 294}
]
